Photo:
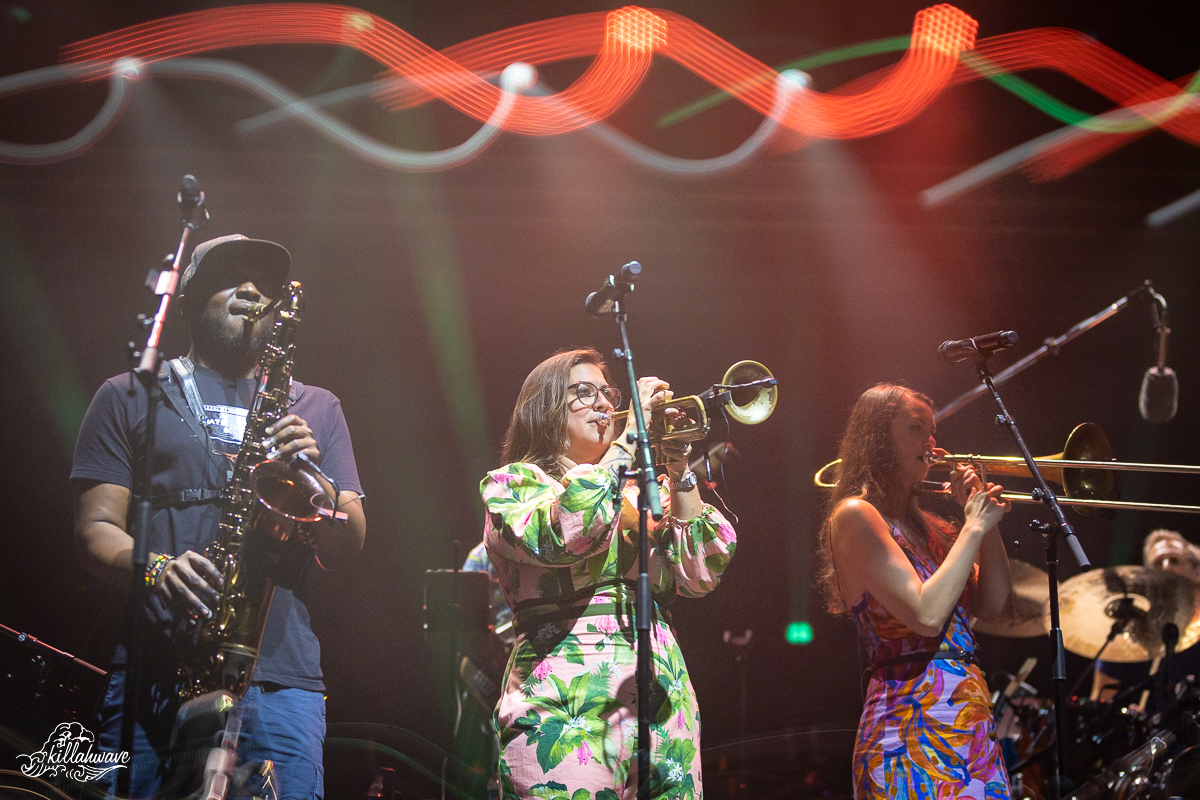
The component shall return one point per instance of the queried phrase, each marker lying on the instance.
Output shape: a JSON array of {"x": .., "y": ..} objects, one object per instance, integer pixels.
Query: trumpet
[
  {"x": 1083, "y": 469},
  {"x": 748, "y": 392}
]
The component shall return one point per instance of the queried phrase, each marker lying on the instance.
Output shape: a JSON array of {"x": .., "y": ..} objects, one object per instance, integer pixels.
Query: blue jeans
[{"x": 279, "y": 723}]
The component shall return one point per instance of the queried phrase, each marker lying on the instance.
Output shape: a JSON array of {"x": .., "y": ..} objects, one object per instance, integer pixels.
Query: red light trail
[{"x": 623, "y": 43}]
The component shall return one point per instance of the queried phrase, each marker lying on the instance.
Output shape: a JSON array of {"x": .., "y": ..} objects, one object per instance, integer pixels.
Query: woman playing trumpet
[
  {"x": 911, "y": 582},
  {"x": 562, "y": 532}
]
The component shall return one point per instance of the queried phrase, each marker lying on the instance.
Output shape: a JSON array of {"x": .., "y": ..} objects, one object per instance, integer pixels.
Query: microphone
[
  {"x": 189, "y": 195},
  {"x": 977, "y": 347},
  {"x": 613, "y": 290},
  {"x": 1159, "y": 398}
]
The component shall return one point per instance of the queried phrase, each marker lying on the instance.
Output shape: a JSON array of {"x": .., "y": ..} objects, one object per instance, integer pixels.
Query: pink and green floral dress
[
  {"x": 926, "y": 729},
  {"x": 566, "y": 554}
]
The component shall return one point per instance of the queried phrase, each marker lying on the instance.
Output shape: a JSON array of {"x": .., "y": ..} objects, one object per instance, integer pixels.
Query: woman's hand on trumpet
[
  {"x": 676, "y": 455},
  {"x": 652, "y": 392}
]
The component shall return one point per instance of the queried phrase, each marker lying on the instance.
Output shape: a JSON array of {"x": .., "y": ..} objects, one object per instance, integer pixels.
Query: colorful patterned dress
[
  {"x": 567, "y": 559},
  {"x": 926, "y": 729}
]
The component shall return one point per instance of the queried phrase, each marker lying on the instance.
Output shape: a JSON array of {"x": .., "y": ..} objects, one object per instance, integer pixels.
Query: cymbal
[
  {"x": 1031, "y": 591},
  {"x": 1150, "y": 598}
]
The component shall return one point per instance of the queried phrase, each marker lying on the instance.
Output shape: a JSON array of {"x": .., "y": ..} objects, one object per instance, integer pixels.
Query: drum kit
[{"x": 1117, "y": 750}]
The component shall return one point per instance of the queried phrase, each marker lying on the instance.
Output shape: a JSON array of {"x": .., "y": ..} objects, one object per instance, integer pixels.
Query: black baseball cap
[{"x": 218, "y": 261}]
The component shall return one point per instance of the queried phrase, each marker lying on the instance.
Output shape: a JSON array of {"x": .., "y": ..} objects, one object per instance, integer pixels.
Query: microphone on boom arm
[{"x": 977, "y": 347}]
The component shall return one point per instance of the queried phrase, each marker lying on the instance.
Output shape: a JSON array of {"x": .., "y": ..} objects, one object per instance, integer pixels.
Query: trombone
[
  {"x": 748, "y": 393},
  {"x": 1084, "y": 469}
]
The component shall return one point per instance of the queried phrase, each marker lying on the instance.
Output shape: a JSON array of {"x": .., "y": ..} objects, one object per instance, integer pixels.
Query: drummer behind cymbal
[{"x": 1168, "y": 551}]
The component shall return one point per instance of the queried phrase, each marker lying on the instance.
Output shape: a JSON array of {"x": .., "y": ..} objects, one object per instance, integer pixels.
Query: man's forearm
[{"x": 339, "y": 541}]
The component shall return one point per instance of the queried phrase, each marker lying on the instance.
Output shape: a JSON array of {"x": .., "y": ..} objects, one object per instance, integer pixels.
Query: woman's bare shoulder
[
  {"x": 855, "y": 510},
  {"x": 855, "y": 520}
]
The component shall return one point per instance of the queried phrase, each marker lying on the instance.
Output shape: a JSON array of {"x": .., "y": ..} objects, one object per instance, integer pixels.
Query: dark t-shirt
[{"x": 107, "y": 451}]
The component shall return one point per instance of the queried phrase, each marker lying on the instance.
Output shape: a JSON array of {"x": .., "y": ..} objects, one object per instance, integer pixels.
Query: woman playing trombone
[
  {"x": 911, "y": 582},
  {"x": 562, "y": 532}
]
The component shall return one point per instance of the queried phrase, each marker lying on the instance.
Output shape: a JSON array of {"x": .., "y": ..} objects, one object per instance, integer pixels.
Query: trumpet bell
[
  {"x": 685, "y": 419},
  {"x": 752, "y": 404}
]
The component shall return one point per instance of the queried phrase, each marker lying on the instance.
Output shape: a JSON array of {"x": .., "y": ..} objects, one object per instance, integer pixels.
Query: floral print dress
[
  {"x": 926, "y": 730},
  {"x": 566, "y": 554}
]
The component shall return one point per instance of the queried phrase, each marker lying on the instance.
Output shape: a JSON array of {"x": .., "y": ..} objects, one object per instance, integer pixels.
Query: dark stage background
[{"x": 431, "y": 296}]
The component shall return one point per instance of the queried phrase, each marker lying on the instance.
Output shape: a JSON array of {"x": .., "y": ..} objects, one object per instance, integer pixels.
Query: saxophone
[{"x": 265, "y": 508}]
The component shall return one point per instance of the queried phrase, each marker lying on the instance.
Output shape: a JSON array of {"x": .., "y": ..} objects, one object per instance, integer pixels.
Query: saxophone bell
[{"x": 292, "y": 496}]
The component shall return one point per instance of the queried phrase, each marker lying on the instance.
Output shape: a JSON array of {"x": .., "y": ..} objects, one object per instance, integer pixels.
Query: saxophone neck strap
[
  {"x": 184, "y": 393},
  {"x": 184, "y": 371}
]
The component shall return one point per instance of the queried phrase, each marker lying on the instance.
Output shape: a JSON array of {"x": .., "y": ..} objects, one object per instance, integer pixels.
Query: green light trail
[
  {"x": 1064, "y": 113},
  {"x": 715, "y": 99},
  {"x": 1019, "y": 87}
]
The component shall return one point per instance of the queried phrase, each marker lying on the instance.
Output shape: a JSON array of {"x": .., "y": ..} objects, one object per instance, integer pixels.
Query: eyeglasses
[{"x": 586, "y": 392}]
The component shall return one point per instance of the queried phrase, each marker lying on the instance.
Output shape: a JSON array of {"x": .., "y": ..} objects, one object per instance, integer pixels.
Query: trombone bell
[{"x": 1086, "y": 442}]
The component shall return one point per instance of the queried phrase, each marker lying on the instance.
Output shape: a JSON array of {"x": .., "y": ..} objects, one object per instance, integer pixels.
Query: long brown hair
[
  {"x": 869, "y": 471},
  {"x": 537, "y": 432}
]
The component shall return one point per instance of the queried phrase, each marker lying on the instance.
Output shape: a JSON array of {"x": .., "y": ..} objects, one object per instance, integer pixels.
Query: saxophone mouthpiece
[
  {"x": 259, "y": 310},
  {"x": 255, "y": 312}
]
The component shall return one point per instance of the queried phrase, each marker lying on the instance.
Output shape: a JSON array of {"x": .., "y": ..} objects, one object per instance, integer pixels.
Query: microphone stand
[
  {"x": 165, "y": 283},
  {"x": 1050, "y": 347},
  {"x": 1124, "y": 617},
  {"x": 649, "y": 504},
  {"x": 1165, "y": 685},
  {"x": 1050, "y": 532}
]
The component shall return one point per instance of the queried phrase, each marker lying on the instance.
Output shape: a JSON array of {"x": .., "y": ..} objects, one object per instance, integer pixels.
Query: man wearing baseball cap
[{"x": 200, "y": 426}]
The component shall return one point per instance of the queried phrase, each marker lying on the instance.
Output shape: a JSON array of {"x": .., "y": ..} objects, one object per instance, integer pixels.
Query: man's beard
[{"x": 233, "y": 352}]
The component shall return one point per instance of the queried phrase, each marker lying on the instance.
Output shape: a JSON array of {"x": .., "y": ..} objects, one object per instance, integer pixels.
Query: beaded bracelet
[{"x": 155, "y": 569}]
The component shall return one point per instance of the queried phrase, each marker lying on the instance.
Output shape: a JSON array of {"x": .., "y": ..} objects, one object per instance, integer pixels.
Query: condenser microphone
[
  {"x": 613, "y": 290},
  {"x": 976, "y": 347},
  {"x": 1159, "y": 399}
]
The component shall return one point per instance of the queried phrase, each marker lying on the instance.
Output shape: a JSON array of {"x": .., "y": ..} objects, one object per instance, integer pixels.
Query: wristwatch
[{"x": 687, "y": 482}]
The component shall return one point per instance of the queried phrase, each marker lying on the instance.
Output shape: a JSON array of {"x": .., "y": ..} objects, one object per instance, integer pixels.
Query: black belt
[
  {"x": 966, "y": 656},
  {"x": 537, "y": 611}
]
